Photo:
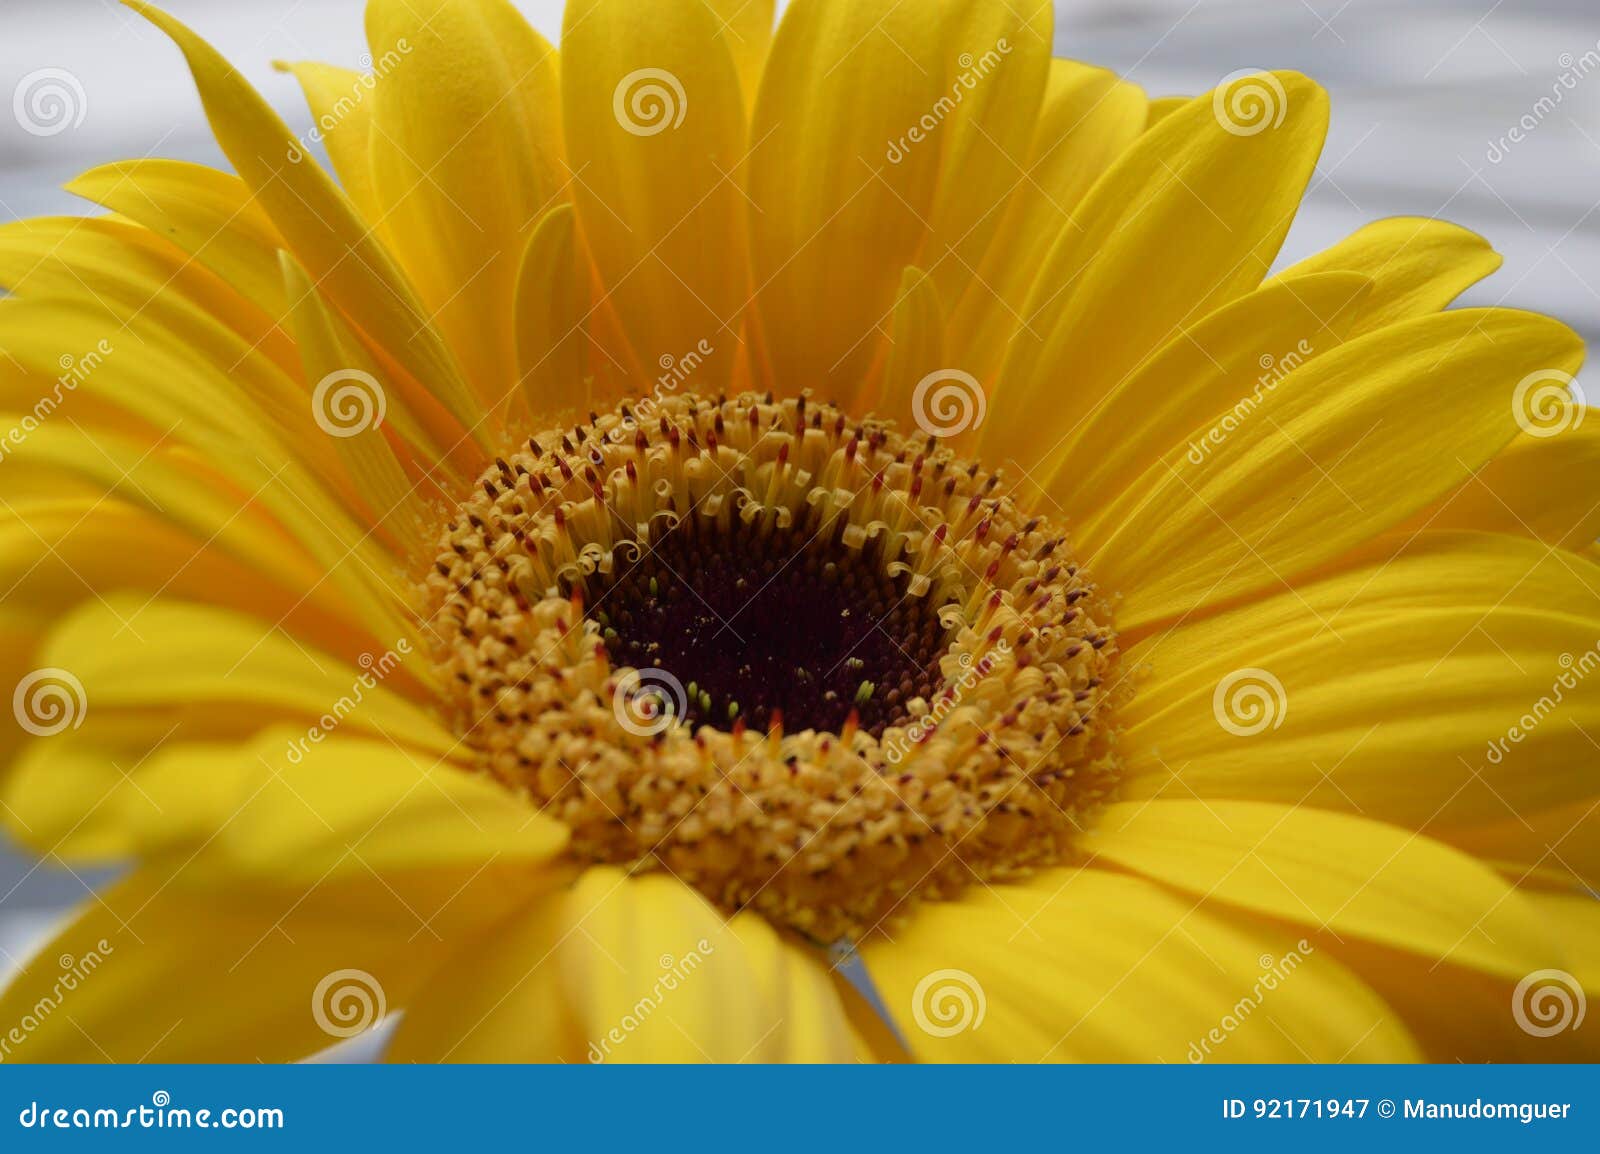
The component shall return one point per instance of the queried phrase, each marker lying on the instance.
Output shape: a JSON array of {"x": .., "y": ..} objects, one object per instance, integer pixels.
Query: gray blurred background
[{"x": 1426, "y": 94}]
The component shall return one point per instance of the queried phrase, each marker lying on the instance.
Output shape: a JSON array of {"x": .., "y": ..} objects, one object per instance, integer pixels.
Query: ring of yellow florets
[{"x": 997, "y": 740}]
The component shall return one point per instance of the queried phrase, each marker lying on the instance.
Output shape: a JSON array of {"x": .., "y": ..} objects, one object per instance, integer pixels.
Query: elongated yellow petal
[
  {"x": 341, "y": 103},
  {"x": 1200, "y": 197},
  {"x": 622, "y": 969},
  {"x": 372, "y": 472},
  {"x": 466, "y": 156},
  {"x": 746, "y": 25},
  {"x": 131, "y": 282},
  {"x": 322, "y": 227},
  {"x": 917, "y": 351},
  {"x": 1418, "y": 265},
  {"x": 1092, "y": 966},
  {"x": 150, "y": 674},
  {"x": 1331, "y": 871},
  {"x": 1225, "y": 364},
  {"x": 160, "y": 970},
  {"x": 1310, "y": 472},
  {"x": 647, "y": 93},
  {"x": 326, "y": 805},
  {"x": 552, "y": 318},
  {"x": 1557, "y": 848},
  {"x": 1422, "y": 686},
  {"x": 1546, "y": 486},
  {"x": 885, "y": 135},
  {"x": 1089, "y": 118},
  {"x": 210, "y": 215}
]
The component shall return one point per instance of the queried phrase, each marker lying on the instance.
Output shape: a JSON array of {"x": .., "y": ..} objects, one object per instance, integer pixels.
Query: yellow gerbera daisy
[{"x": 801, "y": 545}]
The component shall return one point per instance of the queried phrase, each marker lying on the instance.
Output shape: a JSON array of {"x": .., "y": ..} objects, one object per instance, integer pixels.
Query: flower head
[{"x": 648, "y": 543}]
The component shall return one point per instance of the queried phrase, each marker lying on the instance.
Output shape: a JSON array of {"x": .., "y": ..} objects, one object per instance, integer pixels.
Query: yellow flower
[{"x": 802, "y": 545}]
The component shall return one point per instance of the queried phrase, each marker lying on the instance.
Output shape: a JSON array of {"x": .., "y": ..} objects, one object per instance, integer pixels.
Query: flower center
[
  {"x": 811, "y": 666},
  {"x": 789, "y": 625}
]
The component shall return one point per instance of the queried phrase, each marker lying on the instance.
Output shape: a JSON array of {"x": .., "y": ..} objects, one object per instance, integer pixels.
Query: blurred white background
[{"x": 1425, "y": 95}]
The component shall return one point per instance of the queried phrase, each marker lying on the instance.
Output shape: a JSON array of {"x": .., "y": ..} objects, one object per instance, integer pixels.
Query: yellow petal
[
  {"x": 156, "y": 970},
  {"x": 885, "y": 135},
  {"x": 1422, "y": 687},
  {"x": 918, "y": 351},
  {"x": 1419, "y": 266},
  {"x": 1546, "y": 486},
  {"x": 1162, "y": 107},
  {"x": 466, "y": 156},
  {"x": 341, "y": 113},
  {"x": 316, "y": 804},
  {"x": 747, "y": 27},
  {"x": 1089, "y": 118},
  {"x": 1311, "y": 472},
  {"x": 1330, "y": 871},
  {"x": 343, "y": 373},
  {"x": 552, "y": 324},
  {"x": 130, "y": 282},
  {"x": 1558, "y": 848},
  {"x": 158, "y": 673},
  {"x": 320, "y": 224},
  {"x": 622, "y": 969},
  {"x": 1465, "y": 1015},
  {"x": 1226, "y": 363},
  {"x": 1195, "y": 197},
  {"x": 210, "y": 215},
  {"x": 1092, "y": 966},
  {"x": 649, "y": 93}
]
